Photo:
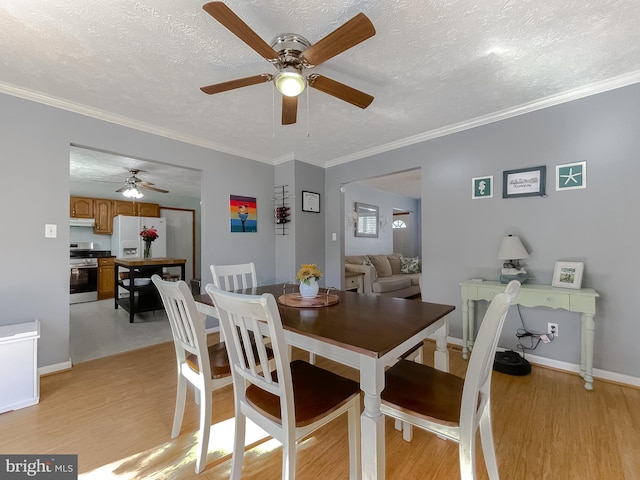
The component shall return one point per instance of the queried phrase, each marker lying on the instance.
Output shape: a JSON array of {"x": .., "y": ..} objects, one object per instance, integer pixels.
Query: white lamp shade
[
  {"x": 290, "y": 83},
  {"x": 133, "y": 192},
  {"x": 511, "y": 248}
]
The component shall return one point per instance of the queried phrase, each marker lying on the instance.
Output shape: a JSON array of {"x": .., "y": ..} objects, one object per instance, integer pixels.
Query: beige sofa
[{"x": 383, "y": 274}]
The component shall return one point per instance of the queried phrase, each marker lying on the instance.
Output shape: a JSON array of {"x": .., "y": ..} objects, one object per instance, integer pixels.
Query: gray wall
[
  {"x": 595, "y": 225},
  {"x": 309, "y": 226},
  {"x": 386, "y": 202},
  {"x": 35, "y": 142}
]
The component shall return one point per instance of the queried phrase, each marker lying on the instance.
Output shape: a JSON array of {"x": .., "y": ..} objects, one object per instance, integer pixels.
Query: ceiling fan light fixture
[
  {"x": 290, "y": 82},
  {"x": 133, "y": 192}
]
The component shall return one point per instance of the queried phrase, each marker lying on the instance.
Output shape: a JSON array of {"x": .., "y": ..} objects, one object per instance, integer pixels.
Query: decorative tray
[{"x": 296, "y": 300}]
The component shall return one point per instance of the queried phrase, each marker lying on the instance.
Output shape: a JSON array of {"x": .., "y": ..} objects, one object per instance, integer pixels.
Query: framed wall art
[
  {"x": 568, "y": 275},
  {"x": 482, "y": 187},
  {"x": 524, "y": 182},
  {"x": 571, "y": 176},
  {"x": 310, "y": 202},
  {"x": 243, "y": 213}
]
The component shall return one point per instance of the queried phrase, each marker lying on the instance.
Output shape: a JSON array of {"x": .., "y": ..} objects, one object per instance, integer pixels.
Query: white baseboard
[
  {"x": 569, "y": 367},
  {"x": 55, "y": 367}
]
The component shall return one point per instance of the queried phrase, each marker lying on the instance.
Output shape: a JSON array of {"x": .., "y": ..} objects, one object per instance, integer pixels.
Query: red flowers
[{"x": 149, "y": 234}]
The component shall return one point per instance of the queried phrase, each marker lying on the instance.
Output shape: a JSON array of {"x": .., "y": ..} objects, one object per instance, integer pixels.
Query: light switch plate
[{"x": 50, "y": 230}]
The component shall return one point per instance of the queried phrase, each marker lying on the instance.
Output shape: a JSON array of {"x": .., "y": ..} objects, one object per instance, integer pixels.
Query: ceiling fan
[
  {"x": 292, "y": 54},
  {"x": 133, "y": 185}
]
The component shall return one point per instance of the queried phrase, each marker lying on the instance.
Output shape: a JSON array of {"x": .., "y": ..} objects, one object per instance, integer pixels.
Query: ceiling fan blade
[
  {"x": 235, "y": 25},
  {"x": 289, "y": 110},
  {"x": 122, "y": 189},
  {"x": 356, "y": 30},
  {"x": 147, "y": 187},
  {"x": 340, "y": 90},
  {"x": 143, "y": 183},
  {"x": 239, "y": 83}
]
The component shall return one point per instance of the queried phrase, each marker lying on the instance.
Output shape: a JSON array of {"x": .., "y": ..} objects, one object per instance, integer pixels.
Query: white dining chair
[
  {"x": 234, "y": 277},
  {"x": 205, "y": 367},
  {"x": 450, "y": 406},
  {"x": 289, "y": 403}
]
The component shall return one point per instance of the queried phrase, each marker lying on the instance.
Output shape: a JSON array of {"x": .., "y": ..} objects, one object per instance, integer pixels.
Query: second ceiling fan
[{"x": 292, "y": 54}]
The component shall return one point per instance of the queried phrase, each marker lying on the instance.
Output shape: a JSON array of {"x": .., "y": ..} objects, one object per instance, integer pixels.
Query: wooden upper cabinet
[
  {"x": 136, "y": 209},
  {"x": 148, "y": 210},
  {"x": 120, "y": 207},
  {"x": 81, "y": 207},
  {"x": 102, "y": 214}
]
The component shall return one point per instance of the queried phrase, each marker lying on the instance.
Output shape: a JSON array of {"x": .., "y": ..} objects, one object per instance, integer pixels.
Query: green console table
[{"x": 581, "y": 301}]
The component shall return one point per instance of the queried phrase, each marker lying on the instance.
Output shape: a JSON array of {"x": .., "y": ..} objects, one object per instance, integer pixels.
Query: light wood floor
[{"x": 116, "y": 414}]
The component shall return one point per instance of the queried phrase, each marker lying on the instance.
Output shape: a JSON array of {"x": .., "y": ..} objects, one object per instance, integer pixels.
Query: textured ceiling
[{"x": 433, "y": 67}]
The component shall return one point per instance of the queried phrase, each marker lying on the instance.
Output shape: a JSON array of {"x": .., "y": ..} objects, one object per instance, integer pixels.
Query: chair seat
[
  {"x": 218, "y": 360},
  {"x": 424, "y": 392},
  {"x": 316, "y": 391}
]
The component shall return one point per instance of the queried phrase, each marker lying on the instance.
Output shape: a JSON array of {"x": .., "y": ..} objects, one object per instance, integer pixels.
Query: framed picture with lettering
[
  {"x": 310, "y": 202},
  {"x": 524, "y": 182}
]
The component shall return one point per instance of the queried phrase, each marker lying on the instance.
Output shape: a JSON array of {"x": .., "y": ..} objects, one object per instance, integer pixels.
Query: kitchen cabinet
[
  {"x": 135, "y": 209},
  {"x": 81, "y": 207},
  {"x": 121, "y": 207},
  {"x": 148, "y": 210},
  {"x": 103, "y": 216},
  {"x": 106, "y": 268}
]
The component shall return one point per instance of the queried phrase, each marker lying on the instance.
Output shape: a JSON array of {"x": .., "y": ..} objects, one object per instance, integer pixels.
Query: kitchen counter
[
  {"x": 143, "y": 295},
  {"x": 147, "y": 262}
]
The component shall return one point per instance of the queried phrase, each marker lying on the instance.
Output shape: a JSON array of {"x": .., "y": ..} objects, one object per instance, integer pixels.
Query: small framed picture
[
  {"x": 571, "y": 176},
  {"x": 310, "y": 202},
  {"x": 482, "y": 187},
  {"x": 568, "y": 275},
  {"x": 524, "y": 182}
]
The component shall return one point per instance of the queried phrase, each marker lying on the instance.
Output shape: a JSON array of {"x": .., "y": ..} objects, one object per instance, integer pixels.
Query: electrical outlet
[{"x": 552, "y": 329}]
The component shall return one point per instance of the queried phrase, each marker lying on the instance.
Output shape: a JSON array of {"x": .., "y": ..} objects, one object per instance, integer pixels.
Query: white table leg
[
  {"x": 465, "y": 328},
  {"x": 472, "y": 324},
  {"x": 372, "y": 420},
  {"x": 586, "y": 353},
  {"x": 441, "y": 355}
]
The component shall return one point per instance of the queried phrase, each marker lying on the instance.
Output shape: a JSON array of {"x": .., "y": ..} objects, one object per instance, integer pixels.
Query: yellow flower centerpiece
[{"x": 308, "y": 276}]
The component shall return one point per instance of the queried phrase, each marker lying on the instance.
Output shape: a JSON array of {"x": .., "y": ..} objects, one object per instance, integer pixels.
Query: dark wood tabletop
[{"x": 369, "y": 324}]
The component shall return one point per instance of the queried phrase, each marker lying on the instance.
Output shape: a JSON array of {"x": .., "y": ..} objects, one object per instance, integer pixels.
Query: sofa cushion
[
  {"x": 390, "y": 285},
  {"x": 356, "y": 259},
  {"x": 383, "y": 267},
  {"x": 410, "y": 265},
  {"x": 395, "y": 260}
]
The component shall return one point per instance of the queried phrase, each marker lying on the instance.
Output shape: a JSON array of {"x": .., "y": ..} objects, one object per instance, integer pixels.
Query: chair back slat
[
  {"x": 234, "y": 277},
  {"x": 251, "y": 324},
  {"x": 478, "y": 377},
  {"x": 187, "y": 323}
]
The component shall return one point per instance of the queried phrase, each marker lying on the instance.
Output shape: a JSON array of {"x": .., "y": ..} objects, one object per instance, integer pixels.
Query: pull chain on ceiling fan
[{"x": 291, "y": 54}]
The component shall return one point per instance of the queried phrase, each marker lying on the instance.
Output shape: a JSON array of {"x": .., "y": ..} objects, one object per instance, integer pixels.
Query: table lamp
[{"x": 511, "y": 252}]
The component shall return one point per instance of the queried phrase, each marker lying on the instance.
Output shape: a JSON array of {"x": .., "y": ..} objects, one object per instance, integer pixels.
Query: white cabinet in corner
[{"x": 19, "y": 380}]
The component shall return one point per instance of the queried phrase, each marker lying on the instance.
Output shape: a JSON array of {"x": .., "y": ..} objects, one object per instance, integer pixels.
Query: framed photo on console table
[
  {"x": 568, "y": 275},
  {"x": 524, "y": 182}
]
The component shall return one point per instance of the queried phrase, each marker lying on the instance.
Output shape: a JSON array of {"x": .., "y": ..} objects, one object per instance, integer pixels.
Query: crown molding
[
  {"x": 570, "y": 95},
  {"x": 564, "y": 97},
  {"x": 124, "y": 121}
]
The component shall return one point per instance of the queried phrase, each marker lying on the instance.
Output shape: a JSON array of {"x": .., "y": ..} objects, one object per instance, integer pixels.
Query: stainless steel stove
[{"x": 83, "y": 266}]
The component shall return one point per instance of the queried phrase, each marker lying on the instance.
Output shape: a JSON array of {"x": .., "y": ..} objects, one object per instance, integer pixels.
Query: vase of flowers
[
  {"x": 148, "y": 236},
  {"x": 308, "y": 276}
]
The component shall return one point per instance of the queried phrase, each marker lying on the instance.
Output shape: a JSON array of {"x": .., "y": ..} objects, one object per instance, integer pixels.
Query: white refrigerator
[{"x": 126, "y": 241}]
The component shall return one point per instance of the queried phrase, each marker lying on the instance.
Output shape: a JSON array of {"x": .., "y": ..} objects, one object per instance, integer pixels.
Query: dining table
[{"x": 366, "y": 332}]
